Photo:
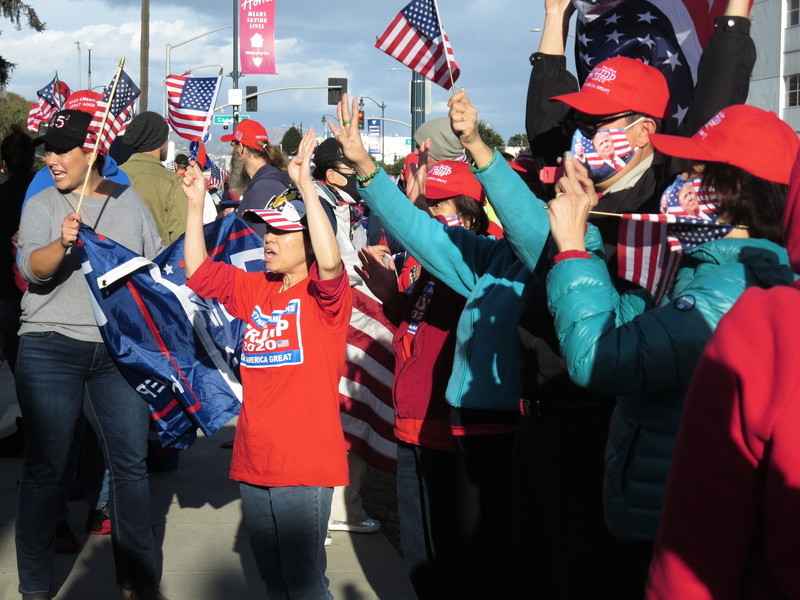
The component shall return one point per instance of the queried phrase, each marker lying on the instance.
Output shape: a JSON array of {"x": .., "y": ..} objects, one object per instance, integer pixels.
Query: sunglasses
[{"x": 590, "y": 126}]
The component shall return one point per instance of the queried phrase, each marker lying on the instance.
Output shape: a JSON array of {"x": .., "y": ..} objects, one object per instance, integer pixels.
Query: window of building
[
  {"x": 794, "y": 12},
  {"x": 793, "y": 90}
]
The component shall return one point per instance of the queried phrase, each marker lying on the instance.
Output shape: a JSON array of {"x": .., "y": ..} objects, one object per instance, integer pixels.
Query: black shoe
[
  {"x": 66, "y": 542},
  {"x": 13, "y": 445}
]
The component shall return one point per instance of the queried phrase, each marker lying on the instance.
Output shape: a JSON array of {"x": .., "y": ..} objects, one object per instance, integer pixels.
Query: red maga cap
[
  {"x": 618, "y": 85},
  {"x": 248, "y": 133},
  {"x": 743, "y": 136},
  {"x": 450, "y": 178},
  {"x": 84, "y": 101}
]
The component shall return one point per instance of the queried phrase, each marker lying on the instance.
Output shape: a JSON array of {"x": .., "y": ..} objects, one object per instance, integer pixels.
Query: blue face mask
[{"x": 606, "y": 154}]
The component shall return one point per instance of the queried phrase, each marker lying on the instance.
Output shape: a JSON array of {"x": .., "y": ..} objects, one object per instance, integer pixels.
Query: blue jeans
[
  {"x": 53, "y": 371},
  {"x": 287, "y": 527}
]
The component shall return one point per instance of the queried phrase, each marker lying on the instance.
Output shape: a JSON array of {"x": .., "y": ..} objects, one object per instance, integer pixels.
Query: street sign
[
  {"x": 227, "y": 119},
  {"x": 374, "y": 127}
]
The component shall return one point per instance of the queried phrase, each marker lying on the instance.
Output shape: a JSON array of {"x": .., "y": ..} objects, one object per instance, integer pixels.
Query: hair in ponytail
[{"x": 271, "y": 154}]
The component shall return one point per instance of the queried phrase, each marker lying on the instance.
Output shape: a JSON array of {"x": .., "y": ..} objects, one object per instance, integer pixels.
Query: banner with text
[{"x": 257, "y": 37}]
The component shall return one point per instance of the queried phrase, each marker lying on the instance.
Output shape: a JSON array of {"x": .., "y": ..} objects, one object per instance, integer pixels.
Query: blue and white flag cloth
[{"x": 179, "y": 351}]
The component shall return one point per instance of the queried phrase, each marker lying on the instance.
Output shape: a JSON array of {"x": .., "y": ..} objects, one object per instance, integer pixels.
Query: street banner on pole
[{"x": 257, "y": 37}]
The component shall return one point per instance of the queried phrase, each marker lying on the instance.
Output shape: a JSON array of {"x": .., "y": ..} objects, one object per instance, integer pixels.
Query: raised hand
[
  {"x": 300, "y": 165},
  {"x": 347, "y": 134},
  {"x": 557, "y": 6},
  {"x": 464, "y": 118},
  {"x": 194, "y": 186},
  {"x": 378, "y": 271},
  {"x": 569, "y": 211},
  {"x": 415, "y": 182}
]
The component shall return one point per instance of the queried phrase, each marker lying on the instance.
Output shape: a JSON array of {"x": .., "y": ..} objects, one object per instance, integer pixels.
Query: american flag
[
  {"x": 190, "y": 104},
  {"x": 585, "y": 152},
  {"x": 120, "y": 113},
  {"x": 216, "y": 175},
  {"x": 51, "y": 100},
  {"x": 650, "y": 247},
  {"x": 417, "y": 39},
  {"x": 667, "y": 34}
]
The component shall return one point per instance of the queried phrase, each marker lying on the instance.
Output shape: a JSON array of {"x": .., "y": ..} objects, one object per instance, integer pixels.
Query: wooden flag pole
[
  {"x": 444, "y": 46},
  {"x": 93, "y": 157}
]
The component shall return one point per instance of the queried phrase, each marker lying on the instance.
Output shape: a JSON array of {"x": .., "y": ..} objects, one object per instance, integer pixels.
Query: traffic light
[
  {"x": 336, "y": 87},
  {"x": 361, "y": 120},
  {"x": 251, "y": 104}
]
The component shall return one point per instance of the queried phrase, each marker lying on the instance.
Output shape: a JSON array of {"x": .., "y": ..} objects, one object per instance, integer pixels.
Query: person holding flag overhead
[
  {"x": 289, "y": 450},
  {"x": 616, "y": 346},
  {"x": 62, "y": 361}
]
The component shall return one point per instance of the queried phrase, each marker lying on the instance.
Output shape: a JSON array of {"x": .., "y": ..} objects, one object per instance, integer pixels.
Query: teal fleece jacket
[
  {"x": 617, "y": 345},
  {"x": 486, "y": 271}
]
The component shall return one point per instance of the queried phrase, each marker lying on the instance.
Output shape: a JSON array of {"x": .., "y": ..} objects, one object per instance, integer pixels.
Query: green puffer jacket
[{"x": 615, "y": 345}]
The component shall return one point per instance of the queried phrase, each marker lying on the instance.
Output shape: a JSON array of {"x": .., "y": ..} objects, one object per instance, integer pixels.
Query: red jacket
[{"x": 731, "y": 523}]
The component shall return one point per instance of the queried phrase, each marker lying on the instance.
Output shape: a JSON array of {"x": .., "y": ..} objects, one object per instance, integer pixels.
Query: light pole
[
  {"x": 168, "y": 48},
  {"x": 90, "y": 45},
  {"x": 382, "y": 106}
]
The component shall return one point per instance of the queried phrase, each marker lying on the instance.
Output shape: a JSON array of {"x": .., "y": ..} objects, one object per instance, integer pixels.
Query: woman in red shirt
[{"x": 289, "y": 449}]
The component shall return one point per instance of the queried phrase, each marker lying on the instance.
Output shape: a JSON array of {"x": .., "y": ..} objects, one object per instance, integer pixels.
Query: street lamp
[
  {"x": 382, "y": 106},
  {"x": 168, "y": 48},
  {"x": 90, "y": 45}
]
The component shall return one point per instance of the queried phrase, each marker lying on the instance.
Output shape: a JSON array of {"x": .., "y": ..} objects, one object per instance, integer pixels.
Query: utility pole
[
  {"x": 417, "y": 102},
  {"x": 90, "y": 44},
  {"x": 235, "y": 73},
  {"x": 144, "y": 54},
  {"x": 80, "y": 68}
]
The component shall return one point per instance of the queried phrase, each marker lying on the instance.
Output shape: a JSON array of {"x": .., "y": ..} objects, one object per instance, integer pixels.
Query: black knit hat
[{"x": 148, "y": 131}]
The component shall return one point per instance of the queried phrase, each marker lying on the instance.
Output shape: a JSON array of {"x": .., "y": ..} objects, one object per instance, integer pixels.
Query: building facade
[{"x": 775, "y": 84}]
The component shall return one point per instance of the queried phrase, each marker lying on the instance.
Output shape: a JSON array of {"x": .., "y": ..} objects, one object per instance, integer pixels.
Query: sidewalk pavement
[{"x": 206, "y": 553}]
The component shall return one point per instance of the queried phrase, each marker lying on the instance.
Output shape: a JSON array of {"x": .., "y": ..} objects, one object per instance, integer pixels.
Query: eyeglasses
[{"x": 589, "y": 127}]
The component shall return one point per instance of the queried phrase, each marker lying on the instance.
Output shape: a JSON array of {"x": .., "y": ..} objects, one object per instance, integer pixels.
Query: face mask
[
  {"x": 686, "y": 197},
  {"x": 606, "y": 154},
  {"x": 350, "y": 188}
]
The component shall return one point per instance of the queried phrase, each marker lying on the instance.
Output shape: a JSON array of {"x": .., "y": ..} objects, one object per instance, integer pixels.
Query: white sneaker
[
  {"x": 368, "y": 525},
  {"x": 328, "y": 540}
]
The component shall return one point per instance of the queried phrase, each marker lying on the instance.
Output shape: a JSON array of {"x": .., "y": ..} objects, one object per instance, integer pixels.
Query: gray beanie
[
  {"x": 444, "y": 143},
  {"x": 148, "y": 131}
]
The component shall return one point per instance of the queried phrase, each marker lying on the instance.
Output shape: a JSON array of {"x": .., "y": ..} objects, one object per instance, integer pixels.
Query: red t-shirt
[{"x": 289, "y": 431}]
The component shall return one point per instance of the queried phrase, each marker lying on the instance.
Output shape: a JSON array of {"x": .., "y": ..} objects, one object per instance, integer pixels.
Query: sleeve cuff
[
  {"x": 732, "y": 25},
  {"x": 539, "y": 60},
  {"x": 566, "y": 255},
  {"x": 200, "y": 275},
  {"x": 327, "y": 285},
  {"x": 495, "y": 155}
]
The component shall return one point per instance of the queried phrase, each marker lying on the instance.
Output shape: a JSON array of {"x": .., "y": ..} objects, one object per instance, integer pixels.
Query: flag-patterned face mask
[
  {"x": 605, "y": 154},
  {"x": 686, "y": 197}
]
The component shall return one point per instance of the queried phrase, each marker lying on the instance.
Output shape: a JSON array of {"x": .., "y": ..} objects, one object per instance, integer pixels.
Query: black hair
[
  {"x": 17, "y": 151},
  {"x": 748, "y": 201},
  {"x": 181, "y": 160},
  {"x": 99, "y": 162},
  {"x": 468, "y": 209}
]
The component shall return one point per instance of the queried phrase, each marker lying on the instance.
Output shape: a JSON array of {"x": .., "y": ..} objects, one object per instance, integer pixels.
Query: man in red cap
[{"x": 262, "y": 162}]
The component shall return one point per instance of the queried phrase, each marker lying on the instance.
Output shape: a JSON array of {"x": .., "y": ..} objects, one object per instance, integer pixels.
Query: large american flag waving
[
  {"x": 120, "y": 113},
  {"x": 51, "y": 100},
  {"x": 667, "y": 34},
  {"x": 417, "y": 39},
  {"x": 190, "y": 104}
]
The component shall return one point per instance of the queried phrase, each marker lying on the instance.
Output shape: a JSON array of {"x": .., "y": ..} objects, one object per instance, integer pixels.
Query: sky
[{"x": 315, "y": 39}]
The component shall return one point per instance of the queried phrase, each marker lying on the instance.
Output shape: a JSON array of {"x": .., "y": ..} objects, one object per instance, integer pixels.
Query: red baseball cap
[
  {"x": 451, "y": 178},
  {"x": 743, "y": 136},
  {"x": 83, "y": 101},
  {"x": 621, "y": 84},
  {"x": 248, "y": 133}
]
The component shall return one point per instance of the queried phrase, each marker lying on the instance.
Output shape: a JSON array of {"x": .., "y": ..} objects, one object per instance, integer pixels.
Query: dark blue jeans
[
  {"x": 287, "y": 527},
  {"x": 53, "y": 372}
]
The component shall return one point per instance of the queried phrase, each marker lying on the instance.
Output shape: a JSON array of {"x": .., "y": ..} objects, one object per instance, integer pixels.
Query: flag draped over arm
[
  {"x": 417, "y": 39},
  {"x": 51, "y": 100},
  {"x": 667, "y": 34},
  {"x": 179, "y": 351},
  {"x": 190, "y": 104}
]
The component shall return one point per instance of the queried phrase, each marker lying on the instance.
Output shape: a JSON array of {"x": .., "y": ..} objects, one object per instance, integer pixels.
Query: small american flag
[
  {"x": 190, "y": 104},
  {"x": 216, "y": 175},
  {"x": 650, "y": 247},
  {"x": 119, "y": 114},
  {"x": 51, "y": 100},
  {"x": 417, "y": 39}
]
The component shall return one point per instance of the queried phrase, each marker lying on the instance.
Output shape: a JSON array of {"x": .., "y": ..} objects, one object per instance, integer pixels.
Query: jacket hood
[{"x": 765, "y": 260}]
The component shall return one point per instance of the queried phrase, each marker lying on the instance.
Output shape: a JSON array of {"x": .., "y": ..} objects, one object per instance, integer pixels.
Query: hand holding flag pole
[{"x": 93, "y": 157}]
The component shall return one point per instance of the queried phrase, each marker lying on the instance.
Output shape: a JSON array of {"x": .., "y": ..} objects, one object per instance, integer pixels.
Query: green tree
[
  {"x": 518, "y": 140},
  {"x": 13, "y": 112},
  {"x": 395, "y": 168},
  {"x": 291, "y": 140},
  {"x": 16, "y": 11},
  {"x": 490, "y": 136}
]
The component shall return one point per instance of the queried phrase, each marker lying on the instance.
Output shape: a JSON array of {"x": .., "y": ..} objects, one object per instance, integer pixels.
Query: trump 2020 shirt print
[{"x": 274, "y": 339}]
